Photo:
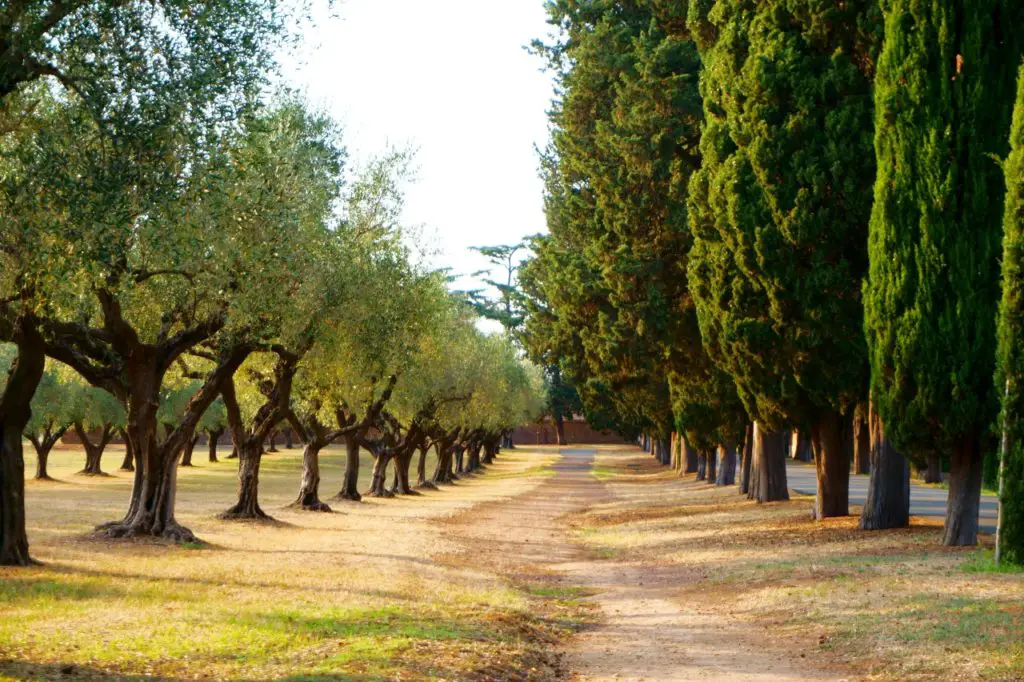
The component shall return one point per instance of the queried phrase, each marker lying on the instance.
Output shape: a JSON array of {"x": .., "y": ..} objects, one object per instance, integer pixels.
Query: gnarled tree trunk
[
  {"x": 888, "y": 501},
  {"x": 403, "y": 462},
  {"x": 965, "y": 474},
  {"x": 93, "y": 451},
  {"x": 832, "y": 466},
  {"x": 43, "y": 445},
  {"x": 248, "y": 506},
  {"x": 421, "y": 466},
  {"x": 768, "y": 481},
  {"x": 349, "y": 489},
  {"x": 15, "y": 412},
  {"x": 309, "y": 486},
  {"x": 711, "y": 458},
  {"x": 378, "y": 478}
]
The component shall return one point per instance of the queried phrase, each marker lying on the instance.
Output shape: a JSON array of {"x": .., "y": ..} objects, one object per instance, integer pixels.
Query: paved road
[{"x": 924, "y": 500}]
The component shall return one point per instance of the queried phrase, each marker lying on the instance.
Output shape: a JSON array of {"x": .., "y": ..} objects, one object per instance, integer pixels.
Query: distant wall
[{"x": 576, "y": 433}]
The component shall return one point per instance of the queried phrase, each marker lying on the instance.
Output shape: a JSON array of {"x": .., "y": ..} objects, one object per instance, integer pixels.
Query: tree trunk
[
  {"x": 965, "y": 472},
  {"x": 832, "y": 466},
  {"x": 702, "y": 465},
  {"x": 674, "y": 451},
  {"x": 748, "y": 456},
  {"x": 128, "y": 463},
  {"x": 214, "y": 436},
  {"x": 15, "y": 412},
  {"x": 42, "y": 457},
  {"x": 888, "y": 501},
  {"x": 474, "y": 458},
  {"x": 666, "y": 452},
  {"x": 378, "y": 479},
  {"x": 460, "y": 460},
  {"x": 309, "y": 487},
  {"x": 400, "y": 483},
  {"x": 190, "y": 445},
  {"x": 726, "y": 466},
  {"x": 488, "y": 450},
  {"x": 93, "y": 451},
  {"x": 421, "y": 466},
  {"x": 933, "y": 472},
  {"x": 768, "y": 474},
  {"x": 690, "y": 460},
  {"x": 711, "y": 457},
  {"x": 349, "y": 487},
  {"x": 801, "y": 447},
  {"x": 560, "y": 430},
  {"x": 862, "y": 447},
  {"x": 248, "y": 506},
  {"x": 443, "y": 469},
  {"x": 288, "y": 443}
]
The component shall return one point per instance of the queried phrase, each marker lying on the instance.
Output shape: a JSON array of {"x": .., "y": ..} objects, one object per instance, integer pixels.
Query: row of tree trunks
[
  {"x": 888, "y": 499},
  {"x": 15, "y": 411}
]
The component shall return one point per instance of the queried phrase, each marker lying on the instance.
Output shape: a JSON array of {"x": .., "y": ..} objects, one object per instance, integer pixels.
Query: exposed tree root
[
  {"x": 120, "y": 530},
  {"x": 314, "y": 506}
]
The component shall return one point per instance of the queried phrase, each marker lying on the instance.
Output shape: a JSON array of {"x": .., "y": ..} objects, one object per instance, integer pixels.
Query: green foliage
[
  {"x": 1010, "y": 353},
  {"x": 779, "y": 207},
  {"x": 608, "y": 287},
  {"x": 944, "y": 95}
]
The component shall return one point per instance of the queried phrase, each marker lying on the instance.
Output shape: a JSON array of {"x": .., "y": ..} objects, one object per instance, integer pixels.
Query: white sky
[{"x": 451, "y": 79}]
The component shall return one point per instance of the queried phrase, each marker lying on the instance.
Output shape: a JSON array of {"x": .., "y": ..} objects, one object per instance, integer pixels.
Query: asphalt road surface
[{"x": 927, "y": 501}]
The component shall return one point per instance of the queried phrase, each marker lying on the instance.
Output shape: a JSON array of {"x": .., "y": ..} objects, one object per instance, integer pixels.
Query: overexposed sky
[{"x": 451, "y": 79}]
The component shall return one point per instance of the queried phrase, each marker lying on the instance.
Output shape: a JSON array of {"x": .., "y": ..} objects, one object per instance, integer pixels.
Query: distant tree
[{"x": 94, "y": 413}]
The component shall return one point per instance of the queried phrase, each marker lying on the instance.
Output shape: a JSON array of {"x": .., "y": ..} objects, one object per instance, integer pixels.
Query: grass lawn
[
  {"x": 355, "y": 595},
  {"x": 888, "y": 605}
]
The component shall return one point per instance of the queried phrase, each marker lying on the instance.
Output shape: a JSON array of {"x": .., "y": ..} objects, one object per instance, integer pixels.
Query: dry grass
[
  {"x": 886, "y": 605},
  {"x": 359, "y": 594}
]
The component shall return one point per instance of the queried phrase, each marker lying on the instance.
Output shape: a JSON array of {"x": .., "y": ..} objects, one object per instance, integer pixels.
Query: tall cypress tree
[
  {"x": 779, "y": 213},
  {"x": 1011, "y": 346},
  {"x": 944, "y": 94}
]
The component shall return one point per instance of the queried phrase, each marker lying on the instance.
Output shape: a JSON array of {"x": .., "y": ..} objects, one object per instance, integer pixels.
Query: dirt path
[{"x": 643, "y": 633}]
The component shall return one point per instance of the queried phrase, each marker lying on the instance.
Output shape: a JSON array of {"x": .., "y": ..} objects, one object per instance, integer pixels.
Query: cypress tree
[
  {"x": 779, "y": 213},
  {"x": 944, "y": 94},
  {"x": 1011, "y": 347}
]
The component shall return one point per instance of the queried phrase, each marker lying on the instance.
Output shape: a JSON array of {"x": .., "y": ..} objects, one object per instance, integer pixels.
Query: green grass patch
[{"x": 984, "y": 561}]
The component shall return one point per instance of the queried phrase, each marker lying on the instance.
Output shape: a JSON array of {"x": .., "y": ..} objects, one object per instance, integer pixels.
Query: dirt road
[{"x": 643, "y": 633}]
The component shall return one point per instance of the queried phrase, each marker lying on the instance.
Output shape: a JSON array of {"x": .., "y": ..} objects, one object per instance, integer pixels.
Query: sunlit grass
[
  {"x": 891, "y": 605},
  {"x": 358, "y": 594}
]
